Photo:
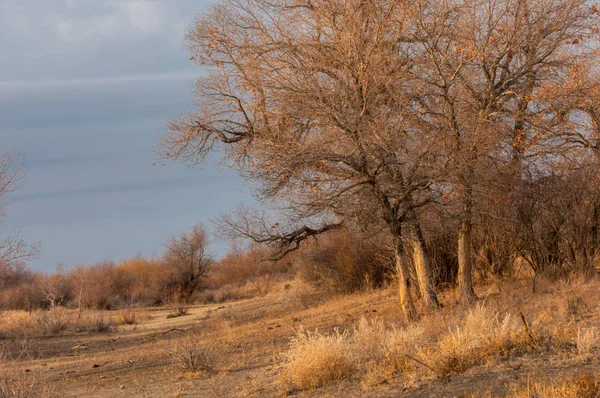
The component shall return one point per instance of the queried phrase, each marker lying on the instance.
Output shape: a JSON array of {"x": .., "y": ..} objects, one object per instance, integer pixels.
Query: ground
[{"x": 250, "y": 338}]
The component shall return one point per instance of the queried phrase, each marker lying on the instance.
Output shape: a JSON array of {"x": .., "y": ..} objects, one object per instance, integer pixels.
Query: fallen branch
[{"x": 423, "y": 364}]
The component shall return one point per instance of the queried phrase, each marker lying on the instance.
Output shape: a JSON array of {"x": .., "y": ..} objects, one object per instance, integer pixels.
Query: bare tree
[
  {"x": 311, "y": 100},
  {"x": 187, "y": 258},
  {"x": 486, "y": 65},
  {"x": 14, "y": 247}
]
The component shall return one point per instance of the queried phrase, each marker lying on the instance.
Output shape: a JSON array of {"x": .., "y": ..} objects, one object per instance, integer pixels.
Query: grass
[
  {"x": 582, "y": 385},
  {"x": 315, "y": 360},
  {"x": 21, "y": 324},
  {"x": 344, "y": 345}
]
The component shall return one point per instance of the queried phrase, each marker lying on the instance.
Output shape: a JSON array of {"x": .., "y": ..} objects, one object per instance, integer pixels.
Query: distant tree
[{"x": 187, "y": 262}]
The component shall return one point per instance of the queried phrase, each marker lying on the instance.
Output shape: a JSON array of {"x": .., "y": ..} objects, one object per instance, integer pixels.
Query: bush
[
  {"x": 344, "y": 262},
  {"x": 128, "y": 317},
  {"x": 190, "y": 354},
  {"x": 15, "y": 382}
]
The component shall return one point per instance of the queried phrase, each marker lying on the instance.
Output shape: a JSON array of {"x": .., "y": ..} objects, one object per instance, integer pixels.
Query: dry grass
[
  {"x": 587, "y": 340},
  {"x": 483, "y": 335},
  {"x": 386, "y": 350},
  {"x": 192, "y": 355},
  {"x": 17, "y": 382},
  {"x": 128, "y": 317},
  {"x": 20, "y": 324},
  {"x": 315, "y": 360},
  {"x": 583, "y": 385}
]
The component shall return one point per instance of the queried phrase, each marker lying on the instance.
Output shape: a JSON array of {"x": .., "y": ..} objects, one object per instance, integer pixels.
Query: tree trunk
[
  {"x": 422, "y": 262},
  {"x": 465, "y": 264},
  {"x": 406, "y": 301}
]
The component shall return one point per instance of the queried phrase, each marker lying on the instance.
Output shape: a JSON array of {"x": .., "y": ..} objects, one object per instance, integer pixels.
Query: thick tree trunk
[
  {"x": 406, "y": 300},
  {"x": 465, "y": 263},
  {"x": 422, "y": 262}
]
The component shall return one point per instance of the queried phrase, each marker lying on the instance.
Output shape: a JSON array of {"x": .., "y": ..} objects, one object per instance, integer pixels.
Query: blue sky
[{"x": 86, "y": 87}]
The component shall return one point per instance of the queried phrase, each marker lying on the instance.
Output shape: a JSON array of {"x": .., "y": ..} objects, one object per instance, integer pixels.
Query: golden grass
[
  {"x": 315, "y": 360},
  {"x": 483, "y": 335},
  {"x": 20, "y": 324},
  {"x": 583, "y": 385}
]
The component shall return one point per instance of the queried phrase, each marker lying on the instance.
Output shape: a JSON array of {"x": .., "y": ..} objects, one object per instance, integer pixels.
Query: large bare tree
[{"x": 312, "y": 100}]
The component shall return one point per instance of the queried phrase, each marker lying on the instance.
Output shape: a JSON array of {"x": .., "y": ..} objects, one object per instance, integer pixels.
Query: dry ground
[{"x": 250, "y": 339}]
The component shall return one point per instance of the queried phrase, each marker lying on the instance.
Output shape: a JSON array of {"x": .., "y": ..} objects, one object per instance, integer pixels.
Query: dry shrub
[
  {"x": 263, "y": 284},
  {"x": 15, "y": 382},
  {"x": 95, "y": 323},
  {"x": 192, "y": 354},
  {"x": 53, "y": 321},
  {"x": 484, "y": 334},
  {"x": 583, "y": 385},
  {"x": 127, "y": 317},
  {"x": 587, "y": 340},
  {"x": 386, "y": 350},
  {"x": 315, "y": 360},
  {"x": 343, "y": 262}
]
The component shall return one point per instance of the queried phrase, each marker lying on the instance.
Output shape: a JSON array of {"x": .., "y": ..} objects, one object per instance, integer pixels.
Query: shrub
[
  {"x": 315, "y": 360},
  {"x": 127, "y": 317},
  {"x": 385, "y": 349},
  {"x": 191, "y": 354},
  {"x": 344, "y": 262},
  {"x": 587, "y": 340},
  {"x": 484, "y": 334},
  {"x": 15, "y": 382}
]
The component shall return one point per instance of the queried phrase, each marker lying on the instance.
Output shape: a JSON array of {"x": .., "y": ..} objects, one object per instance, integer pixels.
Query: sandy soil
[{"x": 250, "y": 336}]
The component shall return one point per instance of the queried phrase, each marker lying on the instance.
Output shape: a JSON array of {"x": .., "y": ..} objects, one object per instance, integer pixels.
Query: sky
[{"x": 86, "y": 88}]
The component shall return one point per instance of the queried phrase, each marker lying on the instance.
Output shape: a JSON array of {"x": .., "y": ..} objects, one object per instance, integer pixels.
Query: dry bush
[
  {"x": 587, "y": 340},
  {"x": 15, "y": 382},
  {"x": 192, "y": 354},
  {"x": 484, "y": 335},
  {"x": 315, "y": 360},
  {"x": 95, "y": 323},
  {"x": 583, "y": 385},
  {"x": 128, "y": 317},
  {"x": 263, "y": 284},
  {"x": 386, "y": 350},
  {"x": 52, "y": 321},
  {"x": 344, "y": 262}
]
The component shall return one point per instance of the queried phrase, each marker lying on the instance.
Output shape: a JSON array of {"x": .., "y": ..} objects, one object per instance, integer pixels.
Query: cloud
[
  {"x": 39, "y": 84},
  {"x": 56, "y": 40},
  {"x": 146, "y": 16},
  {"x": 122, "y": 187}
]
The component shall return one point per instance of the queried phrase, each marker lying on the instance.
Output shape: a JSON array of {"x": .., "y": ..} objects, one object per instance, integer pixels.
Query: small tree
[{"x": 187, "y": 262}]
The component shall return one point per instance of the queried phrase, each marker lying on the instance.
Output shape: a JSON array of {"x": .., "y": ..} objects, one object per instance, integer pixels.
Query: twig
[
  {"x": 528, "y": 331},
  {"x": 423, "y": 364}
]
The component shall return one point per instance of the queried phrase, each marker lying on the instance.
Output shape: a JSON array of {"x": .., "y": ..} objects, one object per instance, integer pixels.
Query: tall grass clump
[
  {"x": 315, "y": 359},
  {"x": 483, "y": 335}
]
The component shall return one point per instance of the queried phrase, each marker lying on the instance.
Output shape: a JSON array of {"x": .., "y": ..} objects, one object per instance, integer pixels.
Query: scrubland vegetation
[{"x": 429, "y": 220}]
